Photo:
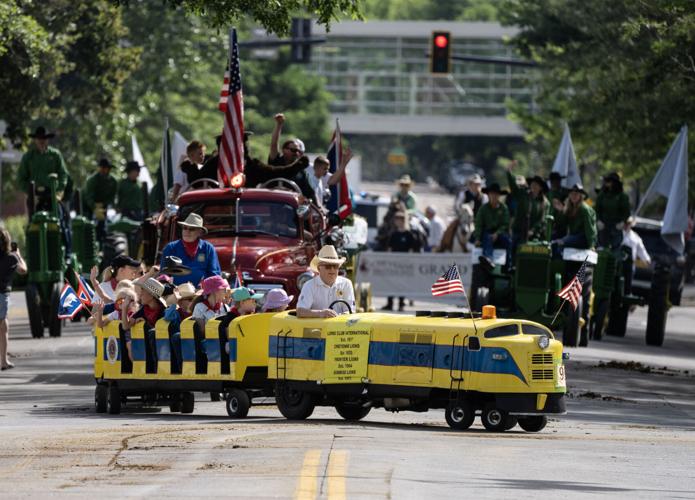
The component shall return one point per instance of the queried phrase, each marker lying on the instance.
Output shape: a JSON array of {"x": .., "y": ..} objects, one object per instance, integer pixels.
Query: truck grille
[
  {"x": 541, "y": 374},
  {"x": 542, "y": 359}
]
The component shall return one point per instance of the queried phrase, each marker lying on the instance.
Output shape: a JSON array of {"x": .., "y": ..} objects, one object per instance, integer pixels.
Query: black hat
[
  {"x": 538, "y": 180},
  {"x": 105, "y": 163},
  {"x": 579, "y": 189},
  {"x": 132, "y": 165},
  {"x": 494, "y": 188},
  {"x": 555, "y": 176},
  {"x": 173, "y": 266},
  {"x": 613, "y": 176},
  {"x": 124, "y": 260},
  {"x": 41, "y": 133}
]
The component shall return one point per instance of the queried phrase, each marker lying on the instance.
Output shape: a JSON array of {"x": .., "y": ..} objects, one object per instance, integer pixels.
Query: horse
[{"x": 459, "y": 231}]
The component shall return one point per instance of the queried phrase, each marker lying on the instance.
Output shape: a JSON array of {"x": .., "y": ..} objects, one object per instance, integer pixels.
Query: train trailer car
[
  {"x": 163, "y": 367},
  {"x": 508, "y": 371}
]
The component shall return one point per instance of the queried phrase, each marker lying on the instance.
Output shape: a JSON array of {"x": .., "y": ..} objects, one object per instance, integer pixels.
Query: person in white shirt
[
  {"x": 319, "y": 178},
  {"x": 321, "y": 291},
  {"x": 436, "y": 229},
  {"x": 640, "y": 256}
]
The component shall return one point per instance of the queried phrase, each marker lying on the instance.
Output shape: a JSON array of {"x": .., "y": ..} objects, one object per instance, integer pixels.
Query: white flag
[
  {"x": 144, "y": 176},
  {"x": 565, "y": 161}
]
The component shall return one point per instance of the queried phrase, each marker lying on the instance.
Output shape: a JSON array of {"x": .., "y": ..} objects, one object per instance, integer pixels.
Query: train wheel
[
  {"x": 187, "y": 402},
  {"x": 494, "y": 419},
  {"x": 511, "y": 422},
  {"x": 175, "y": 403},
  {"x": 533, "y": 424},
  {"x": 352, "y": 412},
  {"x": 238, "y": 403},
  {"x": 292, "y": 403},
  {"x": 101, "y": 398},
  {"x": 215, "y": 397},
  {"x": 460, "y": 415},
  {"x": 114, "y": 400}
]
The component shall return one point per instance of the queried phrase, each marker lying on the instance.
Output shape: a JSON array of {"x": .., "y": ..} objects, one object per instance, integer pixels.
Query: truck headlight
[
  {"x": 543, "y": 342},
  {"x": 303, "y": 278}
]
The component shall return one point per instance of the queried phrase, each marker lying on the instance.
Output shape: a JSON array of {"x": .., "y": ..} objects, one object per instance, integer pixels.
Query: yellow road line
[
  {"x": 337, "y": 467},
  {"x": 308, "y": 476}
]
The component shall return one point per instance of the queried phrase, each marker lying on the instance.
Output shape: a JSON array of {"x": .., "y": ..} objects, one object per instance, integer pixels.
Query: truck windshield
[{"x": 254, "y": 217}]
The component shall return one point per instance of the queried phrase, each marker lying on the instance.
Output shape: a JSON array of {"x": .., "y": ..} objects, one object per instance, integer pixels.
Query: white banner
[{"x": 411, "y": 275}]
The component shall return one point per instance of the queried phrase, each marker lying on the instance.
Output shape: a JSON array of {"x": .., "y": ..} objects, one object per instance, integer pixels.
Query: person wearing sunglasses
[
  {"x": 291, "y": 149},
  {"x": 323, "y": 290}
]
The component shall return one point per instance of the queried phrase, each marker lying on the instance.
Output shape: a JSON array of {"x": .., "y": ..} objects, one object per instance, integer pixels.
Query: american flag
[
  {"x": 449, "y": 282},
  {"x": 231, "y": 159},
  {"x": 573, "y": 289},
  {"x": 339, "y": 202}
]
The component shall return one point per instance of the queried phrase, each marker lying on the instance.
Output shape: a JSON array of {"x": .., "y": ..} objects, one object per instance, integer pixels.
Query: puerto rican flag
[{"x": 340, "y": 201}]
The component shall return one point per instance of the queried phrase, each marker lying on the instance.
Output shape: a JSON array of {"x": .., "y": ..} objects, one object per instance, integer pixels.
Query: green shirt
[
  {"x": 530, "y": 211},
  {"x": 36, "y": 166},
  {"x": 99, "y": 189},
  {"x": 612, "y": 208},
  {"x": 491, "y": 220},
  {"x": 584, "y": 221},
  {"x": 410, "y": 201},
  {"x": 129, "y": 195}
]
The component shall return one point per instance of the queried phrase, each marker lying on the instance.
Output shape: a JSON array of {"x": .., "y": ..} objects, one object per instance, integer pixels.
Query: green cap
[{"x": 244, "y": 293}]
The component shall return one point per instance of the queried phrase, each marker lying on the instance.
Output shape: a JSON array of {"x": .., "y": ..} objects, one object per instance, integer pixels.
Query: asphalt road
[{"x": 629, "y": 432}]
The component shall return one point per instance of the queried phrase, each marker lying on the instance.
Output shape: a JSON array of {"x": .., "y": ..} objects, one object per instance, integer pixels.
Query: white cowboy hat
[
  {"x": 327, "y": 255},
  {"x": 195, "y": 221},
  {"x": 405, "y": 180},
  {"x": 187, "y": 290}
]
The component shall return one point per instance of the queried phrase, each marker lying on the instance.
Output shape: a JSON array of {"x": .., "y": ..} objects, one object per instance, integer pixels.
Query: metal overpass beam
[{"x": 378, "y": 124}]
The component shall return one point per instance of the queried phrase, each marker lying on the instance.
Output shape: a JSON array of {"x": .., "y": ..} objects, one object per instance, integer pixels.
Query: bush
[{"x": 16, "y": 225}]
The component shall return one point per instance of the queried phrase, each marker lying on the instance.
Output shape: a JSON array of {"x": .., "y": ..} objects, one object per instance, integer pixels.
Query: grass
[{"x": 16, "y": 225}]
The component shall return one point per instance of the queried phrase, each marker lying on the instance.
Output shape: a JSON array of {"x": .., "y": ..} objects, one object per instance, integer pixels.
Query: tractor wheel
[
  {"x": 533, "y": 424},
  {"x": 571, "y": 334},
  {"x": 460, "y": 415},
  {"x": 494, "y": 419},
  {"x": 54, "y": 323},
  {"x": 292, "y": 403},
  {"x": 617, "y": 320},
  {"x": 352, "y": 412},
  {"x": 101, "y": 398},
  {"x": 114, "y": 398},
  {"x": 238, "y": 403},
  {"x": 658, "y": 307},
  {"x": 598, "y": 322},
  {"x": 33, "y": 298},
  {"x": 187, "y": 402}
]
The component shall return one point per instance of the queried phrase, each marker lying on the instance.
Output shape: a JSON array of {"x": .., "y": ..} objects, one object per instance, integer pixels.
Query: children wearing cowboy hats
[
  {"x": 151, "y": 310},
  {"x": 179, "y": 308},
  {"x": 321, "y": 291},
  {"x": 194, "y": 253}
]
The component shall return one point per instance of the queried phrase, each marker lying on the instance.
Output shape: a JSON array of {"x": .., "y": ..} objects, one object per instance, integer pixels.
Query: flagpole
[
  {"x": 558, "y": 312},
  {"x": 470, "y": 309}
]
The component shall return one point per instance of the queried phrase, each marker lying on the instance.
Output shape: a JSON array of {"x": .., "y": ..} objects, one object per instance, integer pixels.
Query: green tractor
[
  {"x": 529, "y": 291},
  {"x": 47, "y": 266}
]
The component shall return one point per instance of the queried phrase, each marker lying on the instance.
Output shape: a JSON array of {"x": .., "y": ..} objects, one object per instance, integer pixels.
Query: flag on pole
[
  {"x": 565, "y": 162},
  {"x": 238, "y": 280},
  {"x": 231, "y": 160},
  {"x": 671, "y": 181},
  {"x": 144, "y": 176},
  {"x": 573, "y": 290},
  {"x": 70, "y": 305},
  {"x": 449, "y": 282},
  {"x": 84, "y": 292},
  {"x": 340, "y": 201}
]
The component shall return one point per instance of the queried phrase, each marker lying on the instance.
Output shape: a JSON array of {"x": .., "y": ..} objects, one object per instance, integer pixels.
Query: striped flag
[
  {"x": 224, "y": 93},
  {"x": 449, "y": 282},
  {"x": 573, "y": 290},
  {"x": 231, "y": 159},
  {"x": 340, "y": 201}
]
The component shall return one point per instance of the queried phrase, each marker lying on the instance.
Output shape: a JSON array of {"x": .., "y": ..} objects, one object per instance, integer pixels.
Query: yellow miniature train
[{"x": 506, "y": 370}]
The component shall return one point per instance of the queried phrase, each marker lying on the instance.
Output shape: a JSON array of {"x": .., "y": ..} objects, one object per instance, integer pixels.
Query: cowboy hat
[
  {"x": 327, "y": 255},
  {"x": 538, "y": 180},
  {"x": 187, "y": 290},
  {"x": 405, "y": 180},
  {"x": 579, "y": 189},
  {"x": 613, "y": 176},
  {"x": 494, "y": 188},
  {"x": 195, "y": 221},
  {"x": 173, "y": 266},
  {"x": 556, "y": 176},
  {"x": 104, "y": 162},
  {"x": 41, "y": 133},
  {"x": 154, "y": 288},
  {"x": 132, "y": 165}
]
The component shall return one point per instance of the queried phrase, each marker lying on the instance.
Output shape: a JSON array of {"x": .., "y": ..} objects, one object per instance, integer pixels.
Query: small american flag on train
[
  {"x": 449, "y": 282},
  {"x": 573, "y": 289},
  {"x": 231, "y": 159}
]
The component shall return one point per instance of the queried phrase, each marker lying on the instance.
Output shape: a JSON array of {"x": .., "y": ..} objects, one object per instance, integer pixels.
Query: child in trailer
[
  {"x": 178, "y": 309},
  {"x": 276, "y": 300},
  {"x": 210, "y": 305},
  {"x": 151, "y": 310},
  {"x": 123, "y": 293}
]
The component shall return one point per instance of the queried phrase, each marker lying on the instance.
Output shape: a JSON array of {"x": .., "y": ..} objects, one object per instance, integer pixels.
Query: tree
[
  {"x": 274, "y": 16},
  {"x": 620, "y": 73}
]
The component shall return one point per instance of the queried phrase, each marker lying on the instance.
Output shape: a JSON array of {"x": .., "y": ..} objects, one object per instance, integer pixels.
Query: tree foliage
[
  {"x": 620, "y": 73},
  {"x": 453, "y": 10}
]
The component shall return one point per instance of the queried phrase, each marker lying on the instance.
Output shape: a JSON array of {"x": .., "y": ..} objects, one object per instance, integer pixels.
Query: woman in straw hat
[
  {"x": 404, "y": 194},
  {"x": 319, "y": 292},
  {"x": 195, "y": 253}
]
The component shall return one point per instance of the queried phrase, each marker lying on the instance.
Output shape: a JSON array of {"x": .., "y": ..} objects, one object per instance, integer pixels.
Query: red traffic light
[{"x": 441, "y": 41}]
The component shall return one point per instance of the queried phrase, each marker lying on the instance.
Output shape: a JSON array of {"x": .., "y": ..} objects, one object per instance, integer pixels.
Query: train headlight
[
  {"x": 543, "y": 342},
  {"x": 303, "y": 278}
]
